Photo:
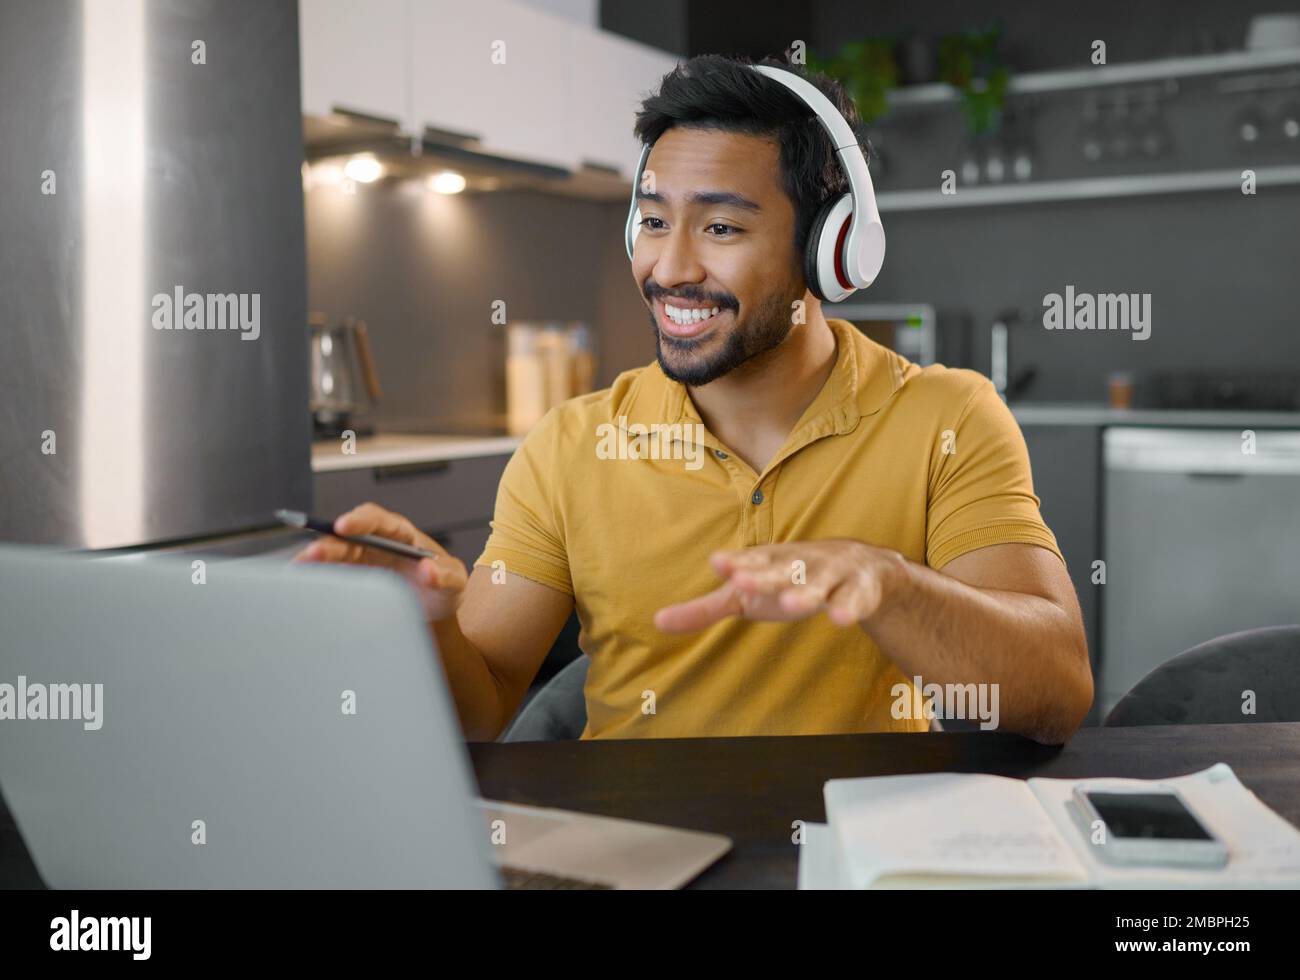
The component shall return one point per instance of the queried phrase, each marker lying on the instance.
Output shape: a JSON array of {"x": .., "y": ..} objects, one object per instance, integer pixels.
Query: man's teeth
[{"x": 683, "y": 317}]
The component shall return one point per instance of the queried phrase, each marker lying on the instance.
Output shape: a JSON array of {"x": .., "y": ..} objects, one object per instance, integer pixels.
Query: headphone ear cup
[
  {"x": 812, "y": 250},
  {"x": 824, "y": 258}
]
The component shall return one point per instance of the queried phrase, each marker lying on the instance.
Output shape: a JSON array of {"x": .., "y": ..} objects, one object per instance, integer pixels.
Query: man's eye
[
  {"x": 645, "y": 222},
  {"x": 727, "y": 229}
]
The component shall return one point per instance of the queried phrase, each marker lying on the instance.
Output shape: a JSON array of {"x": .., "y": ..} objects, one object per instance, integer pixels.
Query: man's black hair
[{"x": 717, "y": 92}]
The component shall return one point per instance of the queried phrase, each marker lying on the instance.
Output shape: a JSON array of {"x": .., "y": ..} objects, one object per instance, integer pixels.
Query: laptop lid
[{"x": 259, "y": 725}]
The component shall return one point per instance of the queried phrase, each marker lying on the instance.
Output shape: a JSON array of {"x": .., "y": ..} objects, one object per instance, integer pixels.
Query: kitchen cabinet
[
  {"x": 611, "y": 74},
  {"x": 526, "y": 105},
  {"x": 566, "y": 93},
  {"x": 355, "y": 56},
  {"x": 451, "y": 500},
  {"x": 1226, "y": 558}
]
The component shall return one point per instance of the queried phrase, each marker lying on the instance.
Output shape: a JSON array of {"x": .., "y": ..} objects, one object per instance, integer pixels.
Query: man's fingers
[
  {"x": 726, "y": 562},
  {"x": 802, "y": 599},
  {"x": 765, "y": 580},
  {"x": 695, "y": 615},
  {"x": 846, "y": 605},
  {"x": 370, "y": 518},
  {"x": 797, "y": 592},
  {"x": 334, "y": 550},
  {"x": 445, "y": 573}
]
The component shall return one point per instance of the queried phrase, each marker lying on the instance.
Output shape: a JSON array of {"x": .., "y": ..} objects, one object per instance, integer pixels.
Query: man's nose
[{"x": 676, "y": 262}]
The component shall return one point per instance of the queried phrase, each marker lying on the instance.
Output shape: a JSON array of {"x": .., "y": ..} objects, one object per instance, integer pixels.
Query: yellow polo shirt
[{"x": 601, "y": 504}]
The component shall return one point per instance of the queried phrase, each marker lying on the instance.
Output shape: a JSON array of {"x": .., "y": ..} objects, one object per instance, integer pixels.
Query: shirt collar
[{"x": 864, "y": 378}]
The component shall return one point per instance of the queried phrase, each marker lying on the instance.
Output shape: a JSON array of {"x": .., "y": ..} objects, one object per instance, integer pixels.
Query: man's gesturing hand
[
  {"x": 438, "y": 584},
  {"x": 783, "y": 582}
]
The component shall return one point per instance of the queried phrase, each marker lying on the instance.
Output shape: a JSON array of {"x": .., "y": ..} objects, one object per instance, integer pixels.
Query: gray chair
[
  {"x": 556, "y": 713},
  {"x": 1205, "y": 685}
]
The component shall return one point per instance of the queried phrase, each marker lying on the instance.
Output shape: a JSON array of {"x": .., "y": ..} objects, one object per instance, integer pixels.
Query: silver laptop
[{"x": 258, "y": 725}]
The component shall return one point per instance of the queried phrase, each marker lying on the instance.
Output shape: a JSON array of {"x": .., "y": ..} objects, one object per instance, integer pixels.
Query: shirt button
[
  {"x": 720, "y": 454},
  {"x": 757, "y": 498}
]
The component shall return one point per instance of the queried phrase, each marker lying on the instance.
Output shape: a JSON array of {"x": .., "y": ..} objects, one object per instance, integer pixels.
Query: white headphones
[{"x": 846, "y": 245}]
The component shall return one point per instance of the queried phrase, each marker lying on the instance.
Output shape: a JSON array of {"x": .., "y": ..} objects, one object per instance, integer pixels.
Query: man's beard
[{"x": 766, "y": 328}]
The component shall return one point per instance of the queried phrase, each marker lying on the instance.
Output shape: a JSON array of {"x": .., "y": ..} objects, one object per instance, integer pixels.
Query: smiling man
[{"x": 859, "y": 521}]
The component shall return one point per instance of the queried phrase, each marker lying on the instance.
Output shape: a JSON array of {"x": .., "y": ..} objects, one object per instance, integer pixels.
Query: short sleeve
[
  {"x": 981, "y": 488},
  {"x": 526, "y": 533}
]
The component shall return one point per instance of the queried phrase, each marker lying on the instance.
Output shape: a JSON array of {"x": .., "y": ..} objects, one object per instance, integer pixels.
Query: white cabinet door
[
  {"x": 355, "y": 55},
  {"x": 527, "y": 83},
  {"x": 497, "y": 70},
  {"x": 613, "y": 74}
]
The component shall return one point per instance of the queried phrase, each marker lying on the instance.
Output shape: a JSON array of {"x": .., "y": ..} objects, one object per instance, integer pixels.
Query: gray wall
[
  {"x": 423, "y": 270},
  {"x": 1220, "y": 271}
]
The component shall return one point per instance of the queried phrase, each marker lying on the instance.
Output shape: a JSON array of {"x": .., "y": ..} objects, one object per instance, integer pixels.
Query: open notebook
[{"x": 958, "y": 830}]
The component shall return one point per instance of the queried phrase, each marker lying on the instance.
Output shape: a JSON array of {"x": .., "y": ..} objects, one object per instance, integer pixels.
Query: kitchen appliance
[
  {"x": 908, "y": 328},
  {"x": 1010, "y": 384},
  {"x": 129, "y": 174},
  {"x": 344, "y": 381},
  {"x": 1269, "y": 32},
  {"x": 1202, "y": 538}
]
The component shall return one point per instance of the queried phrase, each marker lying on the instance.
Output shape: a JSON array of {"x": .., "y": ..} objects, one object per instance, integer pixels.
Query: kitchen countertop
[
  {"x": 1085, "y": 413},
  {"x": 400, "y": 449},
  {"x": 397, "y": 450}
]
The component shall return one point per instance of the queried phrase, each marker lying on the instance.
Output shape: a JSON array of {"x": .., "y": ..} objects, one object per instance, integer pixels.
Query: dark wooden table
[{"x": 753, "y": 789}]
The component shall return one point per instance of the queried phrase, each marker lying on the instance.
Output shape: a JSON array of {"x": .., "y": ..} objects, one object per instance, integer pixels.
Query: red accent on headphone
[{"x": 839, "y": 254}]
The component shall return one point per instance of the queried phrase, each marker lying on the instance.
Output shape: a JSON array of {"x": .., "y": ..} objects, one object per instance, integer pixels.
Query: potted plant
[
  {"x": 972, "y": 63},
  {"x": 868, "y": 71}
]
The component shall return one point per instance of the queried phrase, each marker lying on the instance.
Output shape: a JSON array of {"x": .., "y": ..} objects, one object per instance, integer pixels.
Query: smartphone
[{"x": 1148, "y": 827}]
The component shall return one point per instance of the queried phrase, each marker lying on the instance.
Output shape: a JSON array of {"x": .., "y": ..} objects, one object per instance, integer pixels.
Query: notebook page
[
  {"x": 819, "y": 859},
  {"x": 948, "y": 825}
]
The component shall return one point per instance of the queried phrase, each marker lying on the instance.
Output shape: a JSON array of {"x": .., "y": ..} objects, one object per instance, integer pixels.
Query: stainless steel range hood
[
  {"x": 150, "y": 149},
  {"x": 345, "y": 133}
]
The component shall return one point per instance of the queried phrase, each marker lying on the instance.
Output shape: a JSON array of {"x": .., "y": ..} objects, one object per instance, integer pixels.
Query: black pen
[{"x": 296, "y": 518}]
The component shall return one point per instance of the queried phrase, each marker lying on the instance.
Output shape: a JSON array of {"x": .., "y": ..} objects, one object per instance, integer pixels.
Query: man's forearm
[
  {"x": 479, "y": 695},
  {"x": 947, "y": 632}
]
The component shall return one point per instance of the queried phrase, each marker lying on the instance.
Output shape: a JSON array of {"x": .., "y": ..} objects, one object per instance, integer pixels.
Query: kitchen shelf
[
  {"x": 1087, "y": 188},
  {"x": 1125, "y": 74}
]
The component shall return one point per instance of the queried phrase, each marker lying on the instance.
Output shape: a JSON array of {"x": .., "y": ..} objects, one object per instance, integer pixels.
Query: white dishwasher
[{"x": 1201, "y": 538}]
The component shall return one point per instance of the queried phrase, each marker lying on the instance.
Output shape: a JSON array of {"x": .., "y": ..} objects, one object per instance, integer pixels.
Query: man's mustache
[{"x": 653, "y": 292}]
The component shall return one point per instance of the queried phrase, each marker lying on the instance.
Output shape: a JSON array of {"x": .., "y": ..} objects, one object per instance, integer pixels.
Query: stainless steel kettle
[{"x": 343, "y": 377}]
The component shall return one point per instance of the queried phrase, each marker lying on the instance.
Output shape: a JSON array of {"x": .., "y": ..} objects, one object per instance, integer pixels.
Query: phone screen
[{"x": 1154, "y": 816}]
